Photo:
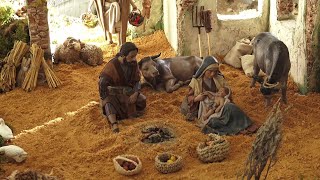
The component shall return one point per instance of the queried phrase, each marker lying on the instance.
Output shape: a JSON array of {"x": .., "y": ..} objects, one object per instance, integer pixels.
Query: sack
[
  {"x": 14, "y": 152},
  {"x": 242, "y": 47},
  {"x": 127, "y": 164},
  {"x": 247, "y": 65}
]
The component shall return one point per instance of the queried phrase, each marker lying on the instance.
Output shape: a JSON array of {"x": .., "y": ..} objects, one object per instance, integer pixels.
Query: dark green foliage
[
  {"x": 14, "y": 31},
  {"x": 6, "y": 14}
]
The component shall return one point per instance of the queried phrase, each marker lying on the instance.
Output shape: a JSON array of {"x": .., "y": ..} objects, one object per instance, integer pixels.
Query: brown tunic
[{"x": 113, "y": 75}]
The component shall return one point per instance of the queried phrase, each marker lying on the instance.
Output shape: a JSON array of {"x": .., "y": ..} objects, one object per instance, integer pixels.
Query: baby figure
[{"x": 215, "y": 102}]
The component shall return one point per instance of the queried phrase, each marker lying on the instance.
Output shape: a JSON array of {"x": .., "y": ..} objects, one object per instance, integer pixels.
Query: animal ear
[
  {"x": 155, "y": 57},
  {"x": 140, "y": 63}
]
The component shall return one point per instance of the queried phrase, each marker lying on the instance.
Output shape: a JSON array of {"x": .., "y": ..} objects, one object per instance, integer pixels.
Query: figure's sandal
[{"x": 114, "y": 127}]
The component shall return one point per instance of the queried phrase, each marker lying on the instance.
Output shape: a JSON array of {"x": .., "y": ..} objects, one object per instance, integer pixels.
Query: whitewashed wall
[
  {"x": 70, "y": 7},
  {"x": 224, "y": 33},
  {"x": 292, "y": 33},
  {"x": 170, "y": 22}
]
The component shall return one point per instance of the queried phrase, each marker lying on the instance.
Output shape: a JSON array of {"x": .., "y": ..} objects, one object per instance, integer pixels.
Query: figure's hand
[
  {"x": 206, "y": 93},
  {"x": 133, "y": 98},
  {"x": 200, "y": 97},
  {"x": 180, "y": 83}
]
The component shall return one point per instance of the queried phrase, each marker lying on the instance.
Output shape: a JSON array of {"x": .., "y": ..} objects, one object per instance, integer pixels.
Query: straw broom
[
  {"x": 30, "y": 81},
  {"x": 13, "y": 60},
  {"x": 52, "y": 79},
  {"x": 206, "y": 20},
  {"x": 266, "y": 145}
]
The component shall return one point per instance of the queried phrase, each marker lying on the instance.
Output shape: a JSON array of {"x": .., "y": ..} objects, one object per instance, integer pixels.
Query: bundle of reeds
[
  {"x": 266, "y": 145},
  {"x": 12, "y": 61},
  {"x": 52, "y": 80},
  {"x": 30, "y": 81}
]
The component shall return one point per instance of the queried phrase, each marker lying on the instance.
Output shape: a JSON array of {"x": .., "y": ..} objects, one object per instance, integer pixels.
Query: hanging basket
[
  {"x": 168, "y": 163},
  {"x": 90, "y": 20},
  {"x": 215, "y": 149},
  {"x": 127, "y": 164},
  {"x": 135, "y": 18}
]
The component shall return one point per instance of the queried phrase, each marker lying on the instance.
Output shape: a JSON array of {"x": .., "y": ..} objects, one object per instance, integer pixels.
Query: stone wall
[{"x": 310, "y": 20}]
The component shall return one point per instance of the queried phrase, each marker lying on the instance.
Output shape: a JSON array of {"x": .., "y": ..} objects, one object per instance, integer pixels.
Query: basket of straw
[
  {"x": 127, "y": 164},
  {"x": 168, "y": 163},
  {"x": 214, "y": 149}
]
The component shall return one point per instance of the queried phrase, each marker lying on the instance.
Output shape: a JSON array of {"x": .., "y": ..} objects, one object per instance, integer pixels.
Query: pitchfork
[{"x": 198, "y": 25}]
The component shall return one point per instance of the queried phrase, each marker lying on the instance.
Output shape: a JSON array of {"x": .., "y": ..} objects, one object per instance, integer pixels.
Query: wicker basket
[
  {"x": 119, "y": 160},
  {"x": 90, "y": 20},
  {"x": 135, "y": 18},
  {"x": 165, "y": 167},
  {"x": 216, "y": 151}
]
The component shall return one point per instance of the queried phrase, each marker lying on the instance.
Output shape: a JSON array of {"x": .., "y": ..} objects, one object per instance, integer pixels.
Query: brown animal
[
  {"x": 169, "y": 73},
  {"x": 271, "y": 56}
]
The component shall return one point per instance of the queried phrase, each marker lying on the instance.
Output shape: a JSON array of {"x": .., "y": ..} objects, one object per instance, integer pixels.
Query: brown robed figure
[
  {"x": 124, "y": 15},
  {"x": 119, "y": 86}
]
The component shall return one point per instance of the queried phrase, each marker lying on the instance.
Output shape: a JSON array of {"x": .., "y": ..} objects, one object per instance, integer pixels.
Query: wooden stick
[
  {"x": 200, "y": 50},
  {"x": 209, "y": 48}
]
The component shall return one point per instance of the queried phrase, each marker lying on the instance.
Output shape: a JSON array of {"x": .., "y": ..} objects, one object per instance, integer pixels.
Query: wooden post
[{"x": 125, "y": 10}]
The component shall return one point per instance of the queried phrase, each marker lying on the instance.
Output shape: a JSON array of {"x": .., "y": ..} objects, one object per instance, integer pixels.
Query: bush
[{"x": 6, "y": 14}]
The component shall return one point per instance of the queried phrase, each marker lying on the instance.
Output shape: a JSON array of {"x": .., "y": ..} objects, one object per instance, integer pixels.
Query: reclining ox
[
  {"x": 271, "y": 56},
  {"x": 169, "y": 73}
]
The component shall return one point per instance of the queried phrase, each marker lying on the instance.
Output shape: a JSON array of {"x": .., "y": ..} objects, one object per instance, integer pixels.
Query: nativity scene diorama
[{"x": 159, "y": 89}]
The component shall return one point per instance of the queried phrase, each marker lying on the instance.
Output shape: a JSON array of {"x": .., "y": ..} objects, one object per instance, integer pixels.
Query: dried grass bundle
[
  {"x": 266, "y": 145},
  {"x": 13, "y": 60},
  {"x": 30, "y": 81},
  {"x": 52, "y": 79}
]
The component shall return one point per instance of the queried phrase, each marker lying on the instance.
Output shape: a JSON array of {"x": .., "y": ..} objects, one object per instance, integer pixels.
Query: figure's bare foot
[{"x": 114, "y": 127}]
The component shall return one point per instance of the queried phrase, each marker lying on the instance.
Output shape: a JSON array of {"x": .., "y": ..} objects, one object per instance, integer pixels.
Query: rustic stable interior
[{"x": 63, "y": 131}]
